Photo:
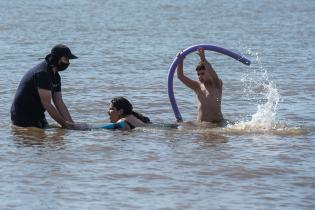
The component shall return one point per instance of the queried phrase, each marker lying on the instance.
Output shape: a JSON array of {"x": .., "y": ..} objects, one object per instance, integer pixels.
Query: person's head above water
[
  {"x": 59, "y": 57},
  {"x": 120, "y": 107},
  {"x": 200, "y": 66},
  {"x": 203, "y": 75}
]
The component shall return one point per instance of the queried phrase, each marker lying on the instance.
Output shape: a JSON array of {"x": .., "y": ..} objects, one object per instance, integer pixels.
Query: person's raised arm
[
  {"x": 45, "y": 98},
  {"x": 181, "y": 76},
  {"x": 217, "y": 81}
]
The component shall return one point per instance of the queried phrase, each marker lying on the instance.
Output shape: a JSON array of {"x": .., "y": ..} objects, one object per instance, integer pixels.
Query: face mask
[{"x": 62, "y": 66}]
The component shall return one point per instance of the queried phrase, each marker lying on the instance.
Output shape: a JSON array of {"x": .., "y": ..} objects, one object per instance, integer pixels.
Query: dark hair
[
  {"x": 122, "y": 103},
  {"x": 200, "y": 66},
  {"x": 52, "y": 59}
]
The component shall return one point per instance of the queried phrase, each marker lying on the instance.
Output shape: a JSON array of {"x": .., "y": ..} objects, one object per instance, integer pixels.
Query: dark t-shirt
[{"x": 27, "y": 106}]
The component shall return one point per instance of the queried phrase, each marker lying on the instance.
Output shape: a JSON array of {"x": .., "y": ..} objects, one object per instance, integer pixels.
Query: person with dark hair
[
  {"x": 208, "y": 89},
  {"x": 121, "y": 110},
  {"x": 38, "y": 88}
]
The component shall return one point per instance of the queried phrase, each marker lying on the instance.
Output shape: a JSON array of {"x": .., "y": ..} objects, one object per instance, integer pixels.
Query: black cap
[{"x": 62, "y": 50}]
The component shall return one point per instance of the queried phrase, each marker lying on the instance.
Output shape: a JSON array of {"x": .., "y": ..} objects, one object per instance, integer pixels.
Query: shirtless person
[{"x": 208, "y": 89}]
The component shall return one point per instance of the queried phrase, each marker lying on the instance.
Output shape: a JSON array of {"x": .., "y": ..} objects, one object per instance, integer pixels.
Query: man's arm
[
  {"x": 217, "y": 81},
  {"x": 45, "y": 97},
  {"x": 181, "y": 76},
  {"x": 61, "y": 107}
]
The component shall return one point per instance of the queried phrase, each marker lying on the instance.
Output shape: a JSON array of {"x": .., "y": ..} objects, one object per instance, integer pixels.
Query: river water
[{"x": 264, "y": 161}]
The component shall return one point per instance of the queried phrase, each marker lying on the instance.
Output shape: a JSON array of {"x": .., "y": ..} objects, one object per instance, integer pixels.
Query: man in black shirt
[{"x": 38, "y": 87}]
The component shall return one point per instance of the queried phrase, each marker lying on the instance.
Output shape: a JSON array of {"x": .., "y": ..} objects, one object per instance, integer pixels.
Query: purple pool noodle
[{"x": 187, "y": 51}]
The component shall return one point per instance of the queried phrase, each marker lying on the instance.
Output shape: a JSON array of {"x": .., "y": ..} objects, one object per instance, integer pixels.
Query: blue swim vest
[{"x": 112, "y": 126}]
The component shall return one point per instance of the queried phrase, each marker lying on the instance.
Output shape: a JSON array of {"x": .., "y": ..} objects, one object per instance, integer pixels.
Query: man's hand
[
  {"x": 69, "y": 125},
  {"x": 201, "y": 53},
  {"x": 82, "y": 126},
  {"x": 180, "y": 56}
]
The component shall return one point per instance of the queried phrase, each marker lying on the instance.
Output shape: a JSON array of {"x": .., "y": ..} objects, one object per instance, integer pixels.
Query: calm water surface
[{"x": 264, "y": 161}]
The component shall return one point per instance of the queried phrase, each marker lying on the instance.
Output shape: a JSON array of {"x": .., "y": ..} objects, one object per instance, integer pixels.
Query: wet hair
[
  {"x": 122, "y": 103},
  {"x": 200, "y": 66}
]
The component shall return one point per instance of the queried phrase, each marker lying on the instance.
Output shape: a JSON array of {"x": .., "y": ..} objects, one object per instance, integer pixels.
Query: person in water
[
  {"x": 38, "y": 88},
  {"x": 120, "y": 111},
  {"x": 208, "y": 89}
]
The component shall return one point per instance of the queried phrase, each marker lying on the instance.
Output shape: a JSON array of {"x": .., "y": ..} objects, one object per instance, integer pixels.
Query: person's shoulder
[
  {"x": 41, "y": 74},
  {"x": 37, "y": 68},
  {"x": 40, "y": 69},
  {"x": 41, "y": 66}
]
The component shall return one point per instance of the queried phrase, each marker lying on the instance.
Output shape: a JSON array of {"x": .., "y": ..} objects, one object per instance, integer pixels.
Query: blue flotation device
[{"x": 112, "y": 126}]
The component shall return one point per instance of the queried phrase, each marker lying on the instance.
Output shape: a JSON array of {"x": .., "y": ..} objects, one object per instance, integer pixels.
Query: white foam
[
  {"x": 265, "y": 116},
  {"x": 259, "y": 89}
]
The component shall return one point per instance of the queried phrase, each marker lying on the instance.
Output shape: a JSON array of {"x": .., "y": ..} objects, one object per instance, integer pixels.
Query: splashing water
[
  {"x": 259, "y": 89},
  {"x": 264, "y": 118}
]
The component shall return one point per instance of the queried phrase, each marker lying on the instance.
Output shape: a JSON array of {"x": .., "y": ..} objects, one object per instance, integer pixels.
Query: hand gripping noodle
[{"x": 184, "y": 53}]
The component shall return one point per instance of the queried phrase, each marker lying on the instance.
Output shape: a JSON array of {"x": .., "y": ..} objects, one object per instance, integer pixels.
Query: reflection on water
[
  {"x": 243, "y": 128},
  {"x": 32, "y": 136},
  {"x": 208, "y": 138}
]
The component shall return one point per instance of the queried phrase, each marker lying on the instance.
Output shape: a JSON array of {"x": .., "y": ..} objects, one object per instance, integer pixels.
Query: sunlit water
[{"x": 265, "y": 160}]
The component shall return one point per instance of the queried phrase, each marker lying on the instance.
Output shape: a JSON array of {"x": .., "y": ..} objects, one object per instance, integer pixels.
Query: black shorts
[{"x": 42, "y": 123}]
